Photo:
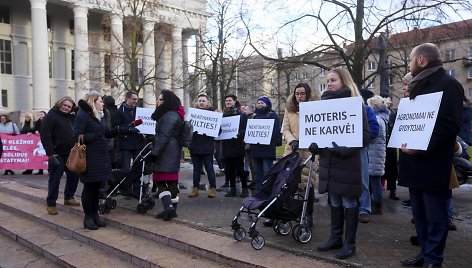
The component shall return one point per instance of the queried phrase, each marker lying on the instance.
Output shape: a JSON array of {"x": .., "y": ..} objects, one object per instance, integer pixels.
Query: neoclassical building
[{"x": 54, "y": 48}]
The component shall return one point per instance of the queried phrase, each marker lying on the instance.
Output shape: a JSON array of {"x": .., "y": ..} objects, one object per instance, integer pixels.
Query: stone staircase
[{"x": 129, "y": 240}]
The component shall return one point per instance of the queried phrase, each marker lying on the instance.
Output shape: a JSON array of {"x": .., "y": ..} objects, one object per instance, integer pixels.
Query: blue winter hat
[{"x": 265, "y": 100}]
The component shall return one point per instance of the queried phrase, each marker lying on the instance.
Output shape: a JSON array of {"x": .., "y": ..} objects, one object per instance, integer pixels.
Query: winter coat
[
  {"x": 9, "y": 128},
  {"x": 95, "y": 138},
  {"x": 166, "y": 148},
  {"x": 202, "y": 144},
  {"x": 378, "y": 146},
  {"x": 291, "y": 130},
  {"x": 37, "y": 125},
  {"x": 125, "y": 115},
  {"x": 266, "y": 151},
  {"x": 430, "y": 170},
  {"x": 57, "y": 134},
  {"x": 373, "y": 123},
  {"x": 26, "y": 128},
  {"x": 341, "y": 174},
  {"x": 235, "y": 147}
]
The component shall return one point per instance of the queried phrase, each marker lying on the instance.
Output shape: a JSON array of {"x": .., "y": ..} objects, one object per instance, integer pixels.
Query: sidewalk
[{"x": 384, "y": 241}]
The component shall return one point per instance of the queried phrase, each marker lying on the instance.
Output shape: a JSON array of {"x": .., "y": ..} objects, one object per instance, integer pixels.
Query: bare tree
[{"x": 353, "y": 30}]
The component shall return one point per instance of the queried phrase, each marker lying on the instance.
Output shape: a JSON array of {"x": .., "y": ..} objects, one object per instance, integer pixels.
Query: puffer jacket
[
  {"x": 166, "y": 147},
  {"x": 57, "y": 132},
  {"x": 263, "y": 150},
  {"x": 378, "y": 147},
  {"x": 95, "y": 138}
]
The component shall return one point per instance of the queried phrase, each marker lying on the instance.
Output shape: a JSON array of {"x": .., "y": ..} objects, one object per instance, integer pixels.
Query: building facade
[{"x": 55, "y": 48}]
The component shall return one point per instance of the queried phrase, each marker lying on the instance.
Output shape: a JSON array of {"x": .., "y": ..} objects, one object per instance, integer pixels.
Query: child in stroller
[
  {"x": 279, "y": 199},
  {"x": 132, "y": 183}
]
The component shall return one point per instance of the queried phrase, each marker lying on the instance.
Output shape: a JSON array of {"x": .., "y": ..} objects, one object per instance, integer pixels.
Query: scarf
[
  {"x": 419, "y": 77},
  {"x": 336, "y": 94}
]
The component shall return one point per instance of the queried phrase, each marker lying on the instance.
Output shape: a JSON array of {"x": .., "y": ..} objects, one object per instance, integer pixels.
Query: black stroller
[
  {"x": 279, "y": 199},
  {"x": 131, "y": 183}
]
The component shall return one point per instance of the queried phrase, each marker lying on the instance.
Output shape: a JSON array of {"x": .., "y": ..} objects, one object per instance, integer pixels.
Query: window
[
  {"x": 106, "y": 31},
  {"x": 48, "y": 23},
  {"x": 272, "y": 92},
  {"x": 390, "y": 80},
  {"x": 244, "y": 93},
  {"x": 371, "y": 83},
  {"x": 452, "y": 72},
  {"x": 50, "y": 61},
  {"x": 371, "y": 66},
  {"x": 71, "y": 26},
  {"x": 4, "y": 98},
  {"x": 322, "y": 72},
  {"x": 469, "y": 73},
  {"x": 4, "y": 15},
  {"x": 322, "y": 87},
  {"x": 139, "y": 71},
  {"x": 107, "y": 67},
  {"x": 470, "y": 53},
  {"x": 296, "y": 76},
  {"x": 72, "y": 67},
  {"x": 305, "y": 75},
  {"x": 450, "y": 54},
  {"x": 5, "y": 56}
]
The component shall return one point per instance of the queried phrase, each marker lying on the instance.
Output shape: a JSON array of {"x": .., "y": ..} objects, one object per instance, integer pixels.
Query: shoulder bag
[{"x": 76, "y": 162}]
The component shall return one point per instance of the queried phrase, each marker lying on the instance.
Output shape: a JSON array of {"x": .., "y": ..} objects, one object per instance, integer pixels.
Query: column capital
[
  {"x": 38, "y": 4},
  {"x": 176, "y": 31},
  {"x": 115, "y": 19},
  {"x": 80, "y": 11}
]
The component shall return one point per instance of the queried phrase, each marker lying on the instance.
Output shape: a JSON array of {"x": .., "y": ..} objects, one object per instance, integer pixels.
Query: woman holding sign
[
  {"x": 264, "y": 155},
  {"x": 340, "y": 173}
]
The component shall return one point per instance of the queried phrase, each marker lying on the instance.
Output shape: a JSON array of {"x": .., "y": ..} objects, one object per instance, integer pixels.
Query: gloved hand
[
  {"x": 314, "y": 149},
  {"x": 53, "y": 160},
  {"x": 150, "y": 158},
  {"x": 294, "y": 145},
  {"x": 133, "y": 130},
  {"x": 336, "y": 149}
]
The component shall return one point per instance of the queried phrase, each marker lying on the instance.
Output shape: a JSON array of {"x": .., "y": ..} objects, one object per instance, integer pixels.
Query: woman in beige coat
[{"x": 291, "y": 128}]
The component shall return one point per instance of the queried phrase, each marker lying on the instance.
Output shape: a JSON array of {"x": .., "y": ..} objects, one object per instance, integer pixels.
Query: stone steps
[{"x": 215, "y": 249}]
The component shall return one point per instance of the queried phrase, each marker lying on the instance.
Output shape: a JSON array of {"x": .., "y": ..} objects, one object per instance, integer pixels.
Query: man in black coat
[
  {"x": 427, "y": 173},
  {"x": 58, "y": 139},
  {"x": 129, "y": 144}
]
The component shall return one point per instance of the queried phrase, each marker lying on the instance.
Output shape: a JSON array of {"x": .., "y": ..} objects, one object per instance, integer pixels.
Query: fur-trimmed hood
[{"x": 86, "y": 107}]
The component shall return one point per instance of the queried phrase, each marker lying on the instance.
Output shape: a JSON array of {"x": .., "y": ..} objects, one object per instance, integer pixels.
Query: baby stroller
[
  {"x": 279, "y": 199},
  {"x": 130, "y": 182}
]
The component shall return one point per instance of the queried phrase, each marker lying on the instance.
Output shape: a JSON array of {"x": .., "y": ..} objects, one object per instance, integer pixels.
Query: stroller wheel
[
  {"x": 284, "y": 227},
  {"x": 141, "y": 209},
  {"x": 258, "y": 242},
  {"x": 112, "y": 203},
  {"x": 152, "y": 203},
  {"x": 302, "y": 233},
  {"x": 239, "y": 234},
  {"x": 102, "y": 208},
  {"x": 275, "y": 226},
  {"x": 107, "y": 208}
]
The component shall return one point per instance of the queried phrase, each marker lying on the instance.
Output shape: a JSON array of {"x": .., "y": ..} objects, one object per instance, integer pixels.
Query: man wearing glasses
[{"x": 129, "y": 144}]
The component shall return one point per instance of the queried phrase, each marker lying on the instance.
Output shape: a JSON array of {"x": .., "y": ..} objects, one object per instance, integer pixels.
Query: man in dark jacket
[
  {"x": 58, "y": 139},
  {"x": 129, "y": 144},
  {"x": 427, "y": 173},
  {"x": 233, "y": 149},
  {"x": 201, "y": 152}
]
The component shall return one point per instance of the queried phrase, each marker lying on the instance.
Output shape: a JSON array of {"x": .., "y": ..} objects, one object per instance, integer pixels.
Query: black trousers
[
  {"x": 234, "y": 166},
  {"x": 90, "y": 197}
]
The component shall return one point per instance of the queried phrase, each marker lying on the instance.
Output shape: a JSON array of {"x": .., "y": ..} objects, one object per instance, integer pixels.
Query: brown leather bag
[{"x": 76, "y": 162}]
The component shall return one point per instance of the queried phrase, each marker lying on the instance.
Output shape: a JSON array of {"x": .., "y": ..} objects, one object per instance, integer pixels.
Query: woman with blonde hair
[
  {"x": 90, "y": 123},
  {"x": 340, "y": 173},
  {"x": 27, "y": 127}
]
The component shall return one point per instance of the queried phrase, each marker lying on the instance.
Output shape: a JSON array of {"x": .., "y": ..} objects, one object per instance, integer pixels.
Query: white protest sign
[
  {"x": 415, "y": 122},
  {"x": 148, "y": 126},
  {"x": 229, "y": 127},
  {"x": 259, "y": 131},
  {"x": 328, "y": 121},
  {"x": 204, "y": 121}
]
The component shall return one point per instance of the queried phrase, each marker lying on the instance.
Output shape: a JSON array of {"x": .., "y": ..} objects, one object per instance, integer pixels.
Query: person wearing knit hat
[{"x": 263, "y": 155}]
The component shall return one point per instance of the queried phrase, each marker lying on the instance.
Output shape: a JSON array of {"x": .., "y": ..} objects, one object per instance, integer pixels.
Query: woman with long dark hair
[{"x": 166, "y": 152}]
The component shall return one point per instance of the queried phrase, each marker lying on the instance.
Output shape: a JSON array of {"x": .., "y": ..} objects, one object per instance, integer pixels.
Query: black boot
[
  {"x": 169, "y": 210},
  {"x": 231, "y": 193},
  {"x": 337, "y": 226},
  {"x": 349, "y": 248},
  {"x": 98, "y": 221},
  {"x": 89, "y": 223},
  {"x": 376, "y": 208}
]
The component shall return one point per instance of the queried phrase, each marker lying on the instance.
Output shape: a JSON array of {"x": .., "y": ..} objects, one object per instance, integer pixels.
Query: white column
[
  {"x": 40, "y": 55},
  {"x": 198, "y": 62},
  {"x": 161, "y": 61},
  {"x": 81, "y": 52},
  {"x": 117, "y": 63},
  {"x": 177, "y": 72},
  {"x": 185, "y": 78},
  {"x": 149, "y": 62}
]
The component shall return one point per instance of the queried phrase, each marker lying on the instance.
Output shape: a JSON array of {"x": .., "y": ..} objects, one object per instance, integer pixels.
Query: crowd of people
[{"x": 353, "y": 178}]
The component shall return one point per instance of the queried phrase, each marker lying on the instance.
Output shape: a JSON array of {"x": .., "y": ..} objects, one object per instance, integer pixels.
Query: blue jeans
[
  {"x": 377, "y": 190},
  {"x": 430, "y": 211},
  {"x": 198, "y": 161},
  {"x": 55, "y": 174},
  {"x": 127, "y": 156},
  {"x": 364, "y": 200},
  {"x": 262, "y": 166},
  {"x": 342, "y": 201},
  {"x": 450, "y": 208}
]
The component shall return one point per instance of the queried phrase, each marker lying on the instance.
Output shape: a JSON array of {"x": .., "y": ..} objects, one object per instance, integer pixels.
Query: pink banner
[{"x": 23, "y": 151}]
